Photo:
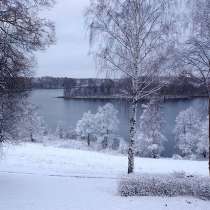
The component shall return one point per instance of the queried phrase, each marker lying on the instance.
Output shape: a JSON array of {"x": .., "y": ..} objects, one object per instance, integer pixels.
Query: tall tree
[
  {"x": 22, "y": 32},
  {"x": 194, "y": 49},
  {"x": 130, "y": 38}
]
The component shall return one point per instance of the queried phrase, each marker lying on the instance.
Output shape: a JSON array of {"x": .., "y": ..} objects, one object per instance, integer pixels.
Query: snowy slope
[
  {"x": 35, "y": 158},
  {"x": 35, "y": 177}
]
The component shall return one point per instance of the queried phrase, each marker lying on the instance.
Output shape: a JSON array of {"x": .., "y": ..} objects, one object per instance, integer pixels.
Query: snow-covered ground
[{"x": 37, "y": 177}]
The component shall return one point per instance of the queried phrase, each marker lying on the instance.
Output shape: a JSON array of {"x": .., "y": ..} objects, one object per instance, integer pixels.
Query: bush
[
  {"x": 177, "y": 184},
  {"x": 177, "y": 157}
]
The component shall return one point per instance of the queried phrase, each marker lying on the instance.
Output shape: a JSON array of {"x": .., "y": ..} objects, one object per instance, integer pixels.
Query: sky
[{"x": 69, "y": 56}]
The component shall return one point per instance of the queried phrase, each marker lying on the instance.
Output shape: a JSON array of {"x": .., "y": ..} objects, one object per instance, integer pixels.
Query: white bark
[
  {"x": 132, "y": 132},
  {"x": 132, "y": 39}
]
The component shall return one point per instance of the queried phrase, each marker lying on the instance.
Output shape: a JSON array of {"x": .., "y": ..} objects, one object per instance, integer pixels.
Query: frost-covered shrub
[
  {"x": 71, "y": 134},
  {"x": 123, "y": 147},
  {"x": 177, "y": 184},
  {"x": 177, "y": 157},
  {"x": 179, "y": 174},
  {"x": 115, "y": 143},
  {"x": 111, "y": 142},
  {"x": 60, "y": 131}
]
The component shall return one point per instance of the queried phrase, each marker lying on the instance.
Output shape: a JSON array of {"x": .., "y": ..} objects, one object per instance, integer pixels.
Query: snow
[
  {"x": 37, "y": 177},
  {"x": 100, "y": 126},
  {"x": 165, "y": 185},
  {"x": 150, "y": 139}
]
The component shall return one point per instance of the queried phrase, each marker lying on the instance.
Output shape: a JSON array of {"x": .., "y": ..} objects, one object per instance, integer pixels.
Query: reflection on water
[{"x": 55, "y": 109}]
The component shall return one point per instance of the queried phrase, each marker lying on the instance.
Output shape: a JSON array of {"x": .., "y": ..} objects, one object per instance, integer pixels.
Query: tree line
[{"x": 172, "y": 86}]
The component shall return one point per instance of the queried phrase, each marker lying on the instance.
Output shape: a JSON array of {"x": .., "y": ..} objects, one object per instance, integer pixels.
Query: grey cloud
[{"x": 69, "y": 57}]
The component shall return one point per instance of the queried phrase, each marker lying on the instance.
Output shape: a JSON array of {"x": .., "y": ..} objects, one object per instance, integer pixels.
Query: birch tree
[{"x": 129, "y": 37}]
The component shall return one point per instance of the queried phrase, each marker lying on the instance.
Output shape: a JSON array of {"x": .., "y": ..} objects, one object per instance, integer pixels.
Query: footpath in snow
[{"x": 37, "y": 177}]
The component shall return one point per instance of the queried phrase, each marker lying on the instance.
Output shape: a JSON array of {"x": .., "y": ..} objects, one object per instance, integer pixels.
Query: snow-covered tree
[
  {"x": 101, "y": 125},
  {"x": 86, "y": 126},
  {"x": 193, "y": 44},
  {"x": 106, "y": 123},
  {"x": 187, "y": 129},
  {"x": 106, "y": 119},
  {"x": 31, "y": 126},
  {"x": 150, "y": 140},
  {"x": 10, "y": 115},
  {"x": 60, "y": 130},
  {"x": 131, "y": 39},
  {"x": 202, "y": 151},
  {"x": 70, "y": 133},
  {"x": 23, "y": 32}
]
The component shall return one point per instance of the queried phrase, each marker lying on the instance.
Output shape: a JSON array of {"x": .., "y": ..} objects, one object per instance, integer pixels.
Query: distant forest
[{"x": 172, "y": 87}]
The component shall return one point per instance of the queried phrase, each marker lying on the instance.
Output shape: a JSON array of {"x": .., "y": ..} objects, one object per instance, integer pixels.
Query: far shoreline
[{"x": 163, "y": 98}]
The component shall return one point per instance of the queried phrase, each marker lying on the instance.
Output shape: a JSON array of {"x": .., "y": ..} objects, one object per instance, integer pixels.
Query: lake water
[{"x": 54, "y": 110}]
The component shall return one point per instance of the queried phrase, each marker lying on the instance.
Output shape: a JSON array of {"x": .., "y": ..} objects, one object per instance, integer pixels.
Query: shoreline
[{"x": 164, "y": 98}]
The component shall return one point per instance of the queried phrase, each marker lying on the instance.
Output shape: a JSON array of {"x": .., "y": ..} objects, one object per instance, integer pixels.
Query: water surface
[{"x": 54, "y": 110}]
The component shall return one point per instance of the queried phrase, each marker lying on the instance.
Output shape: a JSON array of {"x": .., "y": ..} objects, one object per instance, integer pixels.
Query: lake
[{"x": 55, "y": 110}]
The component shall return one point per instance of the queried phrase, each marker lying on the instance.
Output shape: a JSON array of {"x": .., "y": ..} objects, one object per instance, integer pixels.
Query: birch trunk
[
  {"x": 132, "y": 132},
  {"x": 209, "y": 134},
  {"x": 1, "y": 149},
  {"x": 88, "y": 140}
]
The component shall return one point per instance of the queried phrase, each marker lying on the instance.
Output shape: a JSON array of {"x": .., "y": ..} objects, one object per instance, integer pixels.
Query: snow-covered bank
[
  {"x": 37, "y": 177},
  {"x": 40, "y": 159}
]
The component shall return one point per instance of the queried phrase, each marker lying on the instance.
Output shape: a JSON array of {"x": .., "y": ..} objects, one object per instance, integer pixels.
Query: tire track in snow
[{"x": 61, "y": 175}]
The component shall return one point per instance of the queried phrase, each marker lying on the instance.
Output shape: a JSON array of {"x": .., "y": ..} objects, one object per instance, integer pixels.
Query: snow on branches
[
  {"x": 150, "y": 140},
  {"x": 191, "y": 134},
  {"x": 100, "y": 127}
]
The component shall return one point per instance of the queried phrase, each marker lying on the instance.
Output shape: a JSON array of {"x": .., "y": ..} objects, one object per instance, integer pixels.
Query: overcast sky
[{"x": 69, "y": 57}]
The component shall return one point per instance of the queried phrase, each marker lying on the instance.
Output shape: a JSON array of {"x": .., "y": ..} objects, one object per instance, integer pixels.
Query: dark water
[{"x": 56, "y": 110}]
